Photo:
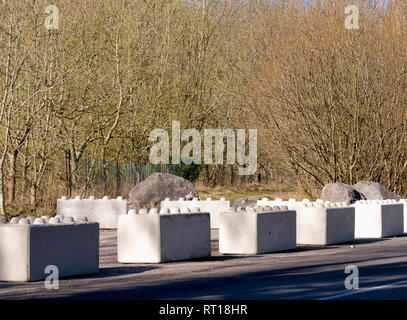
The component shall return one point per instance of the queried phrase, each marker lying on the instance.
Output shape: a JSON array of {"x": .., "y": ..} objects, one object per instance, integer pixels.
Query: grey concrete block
[
  {"x": 247, "y": 232},
  {"x": 378, "y": 218},
  {"x": 26, "y": 249},
  {"x": 324, "y": 225},
  {"x": 156, "y": 238}
]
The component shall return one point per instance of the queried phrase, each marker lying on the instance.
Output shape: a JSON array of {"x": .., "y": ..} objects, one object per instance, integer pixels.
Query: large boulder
[
  {"x": 375, "y": 191},
  {"x": 244, "y": 202},
  {"x": 340, "y": 192},
  {"x": 157, "y": 188}
]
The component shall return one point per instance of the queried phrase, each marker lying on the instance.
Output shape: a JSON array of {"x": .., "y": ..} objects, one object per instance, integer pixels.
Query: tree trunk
[
  {"x": 12, "y": 176},
  {"x": 2, "y": 204},
  {"x": 86, "y": 169},
  {"x": 74, "y": 168},
  {"x": 33, "y": 196},
  {"x": 68, "y": 173},
  {"x": 232, "y": 175}
]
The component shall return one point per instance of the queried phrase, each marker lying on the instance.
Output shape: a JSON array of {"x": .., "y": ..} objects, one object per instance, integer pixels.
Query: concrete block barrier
[
  {"x": 163, "y": 237},
  {"x": 257, "y": 231},
  {"x": 378, "y": 218},
  {"x": 324, "y": 224},
  {"x": 27, "y": 249},
  {"x": 103, "y": 211}
]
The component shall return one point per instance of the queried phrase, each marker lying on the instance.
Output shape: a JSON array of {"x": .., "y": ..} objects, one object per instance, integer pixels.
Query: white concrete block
[
  {"x": 26, "y": 249},
  {"x": 102, "y": 211},
  {"x": 156, "y": 238},
  {"x": 324, "y": 225},
  {"x": 378, "y": 219},
  {"x": 214, "y": 207},
  {"x": 256, "y": 232}
]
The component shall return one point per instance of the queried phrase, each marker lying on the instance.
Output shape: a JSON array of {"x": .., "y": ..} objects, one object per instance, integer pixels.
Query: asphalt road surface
[{"x": 303, "y": 273}]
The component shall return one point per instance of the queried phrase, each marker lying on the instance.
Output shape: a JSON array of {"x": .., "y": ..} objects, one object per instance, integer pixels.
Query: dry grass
[{"x": 252, "y": 191}]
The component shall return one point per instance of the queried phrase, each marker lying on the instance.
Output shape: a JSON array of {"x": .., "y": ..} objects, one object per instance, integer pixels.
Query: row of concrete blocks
[
  {"x": 327, "y": 223},
  {"x": 293, "y": 203},
  {"x": 154, "y": 237},
  {"x": 314, "y": 224},
  {"x": 58, "y": 219},
  {"x": 105, "y": 211},
  {"x": 372, "y": 218},
  {"x": 165, "y": 211},
  {"x": 29, "y": 245}
]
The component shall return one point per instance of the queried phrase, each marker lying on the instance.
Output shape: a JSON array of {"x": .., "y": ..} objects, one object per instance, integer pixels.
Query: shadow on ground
[
  {"x": 115, "y": 272},
  {"x": 309, "y": 282}
]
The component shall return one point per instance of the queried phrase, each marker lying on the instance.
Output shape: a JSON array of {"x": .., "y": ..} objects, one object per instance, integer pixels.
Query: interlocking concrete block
[
  {"x": 378, "y": 218},
  {"x": 156, "y": 238},
  {"x": 103, "y": 211},
  {"x": 248, "y": 232},
  {"x": 324, "y": 224},
  {"x": 27, "y": 249},
  {"x": 214, "y": 207}
]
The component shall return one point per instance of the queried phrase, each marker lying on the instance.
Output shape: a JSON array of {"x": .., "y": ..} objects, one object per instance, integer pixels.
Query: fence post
[
  {"x": 117, "y": 178},
  {"x": 68, "y": 172},
  {"x": 140, "y": 171}
]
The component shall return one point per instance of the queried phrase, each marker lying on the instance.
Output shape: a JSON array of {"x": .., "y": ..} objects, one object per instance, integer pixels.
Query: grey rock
[
  {"x": 340, "y": 192},
  {"x": 157, "y": 188},
  {"x": 375, "y": 191},
  {"x": 244, "y": 202}
]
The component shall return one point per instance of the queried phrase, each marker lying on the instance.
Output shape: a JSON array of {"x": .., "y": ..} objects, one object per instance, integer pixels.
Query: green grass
[{"x": 13, "y": 210}]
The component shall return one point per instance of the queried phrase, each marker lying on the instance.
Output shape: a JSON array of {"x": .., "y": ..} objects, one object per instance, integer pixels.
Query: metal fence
[{"x": 119, "y": 176}]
